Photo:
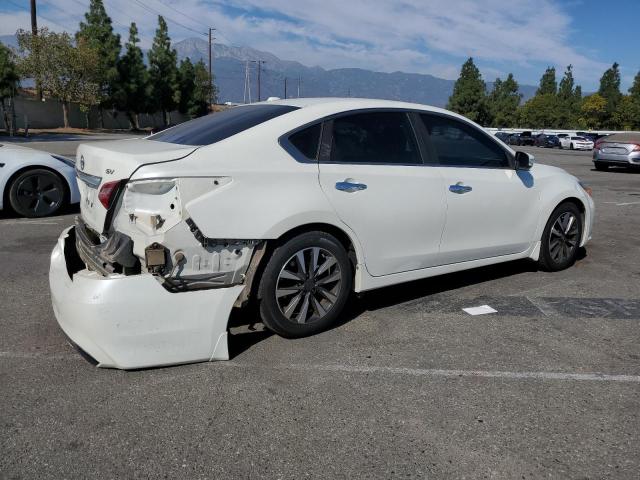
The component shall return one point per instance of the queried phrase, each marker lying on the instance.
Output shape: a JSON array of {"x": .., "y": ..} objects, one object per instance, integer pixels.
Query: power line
[
  {"x": 22, "y": 7},
  {"x": 149, "y": 9}
]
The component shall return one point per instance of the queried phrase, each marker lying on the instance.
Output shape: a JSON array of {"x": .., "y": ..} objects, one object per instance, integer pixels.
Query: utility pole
[
  {"x": 299, "y": 82},
  {"x": 34, "y": 32},
  {"x": 259, "y": 64},
  {"x": 210, "y": 66},
  {"x": 285, "y": 88}
]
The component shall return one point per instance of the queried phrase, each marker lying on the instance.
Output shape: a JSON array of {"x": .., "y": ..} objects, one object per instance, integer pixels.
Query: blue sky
[{"x": 422, "y": 36}]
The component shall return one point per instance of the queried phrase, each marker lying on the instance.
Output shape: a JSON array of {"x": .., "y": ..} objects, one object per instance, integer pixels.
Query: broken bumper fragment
[{"x": 132, "y": 321}]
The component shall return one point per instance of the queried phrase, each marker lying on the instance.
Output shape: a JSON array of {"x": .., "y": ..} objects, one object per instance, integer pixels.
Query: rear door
[
  {"x": 492, "y": 209},
  {"x": 374, "y": 177}
]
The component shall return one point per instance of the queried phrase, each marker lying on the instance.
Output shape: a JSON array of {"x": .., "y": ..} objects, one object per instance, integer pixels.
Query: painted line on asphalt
[
  {"x": 622, "y": 204},
  {"x": 28, "y": 222},
  {"x": 427, "y": 372}
]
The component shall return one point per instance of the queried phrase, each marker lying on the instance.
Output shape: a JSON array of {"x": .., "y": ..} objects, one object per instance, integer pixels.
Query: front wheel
[
  {"x": 37, "y": 193},
  {"x": 561, "y": 238},
  {"x": 305, "y": 285},
  {"x": 571, "y": 147}
]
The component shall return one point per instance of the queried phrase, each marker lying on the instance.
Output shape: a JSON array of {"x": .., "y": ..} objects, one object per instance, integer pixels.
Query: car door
[
  {"x": 492, "y": 209},
  {"x": 374, "y": 177}
]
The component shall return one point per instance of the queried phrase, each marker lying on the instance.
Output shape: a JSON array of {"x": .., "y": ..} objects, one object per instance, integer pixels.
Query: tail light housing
[
  {"x": 636, "y": 148},
  {"x": 106, "y": 193}
]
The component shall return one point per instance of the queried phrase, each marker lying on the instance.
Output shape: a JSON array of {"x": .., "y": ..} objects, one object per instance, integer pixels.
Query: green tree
[
  {"x": 163, "y": 72},
  {"x": 67, "y": 70},
  {"x": 539, "y": 111},
  {"x": 627, "y": 114},
  {"x": 610, "y": 91},
  {"x": 133, "y": 89},
  {"x": 548, "y": 83},
  {"x": 186, "y": 81},
  {"x": 9, "y": 81},
  {"x": 593, "y": 111},
  {"x": 97, "y": 33},
  {"x": 504, "y": 100},
  {"x": 634, "y": 95},
  {"x": 202, "y": 92},
  {"x": 469, "y": 96},
  {"x": 569, "y": 98}
]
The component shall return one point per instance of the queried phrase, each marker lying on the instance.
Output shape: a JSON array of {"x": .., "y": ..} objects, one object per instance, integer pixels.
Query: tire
[
  {"x": 571, "y": 146},
  {"x": 601, "y": 166},
  {"x": 561, "y": 238},
  {"x": 304, "y": 306},
  {"x": 37, "y": 193}
]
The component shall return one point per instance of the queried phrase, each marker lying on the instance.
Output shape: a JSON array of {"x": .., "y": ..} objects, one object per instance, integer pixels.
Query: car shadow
[
  {"x": 9, "y": 214},
  {"x": 249, "y": 320},
  {"x": 634, "y": 170}
]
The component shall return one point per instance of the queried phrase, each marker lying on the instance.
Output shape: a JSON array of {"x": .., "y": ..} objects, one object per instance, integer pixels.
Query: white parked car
[
  {"x": 294, "y": 204},
  {"x": 34, "y": 183},
  {"x": 573, "y": 142}
]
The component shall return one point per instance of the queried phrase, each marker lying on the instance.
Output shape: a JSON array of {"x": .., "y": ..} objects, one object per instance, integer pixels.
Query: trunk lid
[{"x": 98, "y": 163}]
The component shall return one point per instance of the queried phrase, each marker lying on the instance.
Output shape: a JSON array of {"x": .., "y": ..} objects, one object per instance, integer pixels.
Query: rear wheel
[
  {"x": 601, "y": 166},
  {"x": 37, "y": 193},
  {"x": 561, "y": 238},
  {"x": 305, "y": 285},
  {"x": 571, "y": 147}
]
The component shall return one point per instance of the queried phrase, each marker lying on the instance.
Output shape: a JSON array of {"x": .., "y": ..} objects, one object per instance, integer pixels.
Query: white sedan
[
  {"x": 34, "y": 183},
  {"x": 573, "y": 142},
  {"x": 294, "y": 204}
]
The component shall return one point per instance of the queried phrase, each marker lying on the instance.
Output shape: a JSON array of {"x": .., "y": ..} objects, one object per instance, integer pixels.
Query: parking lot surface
[{"x": 408, "y": 385}]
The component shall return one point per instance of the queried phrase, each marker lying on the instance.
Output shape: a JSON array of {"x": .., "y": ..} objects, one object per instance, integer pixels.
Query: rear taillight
[
  {"x": 106, "y": 193},
  {"x": 636, "y": 148}
]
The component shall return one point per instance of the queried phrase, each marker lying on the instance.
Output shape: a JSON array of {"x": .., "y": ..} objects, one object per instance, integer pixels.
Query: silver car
[{"x": 620, "y": 149}]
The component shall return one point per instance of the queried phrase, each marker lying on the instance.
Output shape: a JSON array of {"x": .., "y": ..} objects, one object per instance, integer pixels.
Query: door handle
[
  {"x": 350, "y": 186},
  {"x": 459, "y": 188}
]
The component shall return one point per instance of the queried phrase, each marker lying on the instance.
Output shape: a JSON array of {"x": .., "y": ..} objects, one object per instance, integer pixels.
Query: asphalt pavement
[{"x": 407, "y": 385}]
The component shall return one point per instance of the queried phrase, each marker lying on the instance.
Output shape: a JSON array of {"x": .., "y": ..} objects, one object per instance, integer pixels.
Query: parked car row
[{"x": 570, "y": 141}]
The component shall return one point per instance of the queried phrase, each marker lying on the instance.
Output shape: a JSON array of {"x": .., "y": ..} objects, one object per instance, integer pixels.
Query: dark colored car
[
  {"x": 547, "y": 141},
  {"x": 504, "y": 136},
  {"x": 526, "y": 138},
  {"x": 513, "y": 139}
]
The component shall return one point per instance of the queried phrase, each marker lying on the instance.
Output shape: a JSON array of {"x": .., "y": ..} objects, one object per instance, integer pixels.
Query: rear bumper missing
[{"x": 132, "y": 321}]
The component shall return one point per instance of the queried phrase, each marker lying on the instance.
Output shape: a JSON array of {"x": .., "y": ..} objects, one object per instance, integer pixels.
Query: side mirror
[{"x": 524, "y": 161}]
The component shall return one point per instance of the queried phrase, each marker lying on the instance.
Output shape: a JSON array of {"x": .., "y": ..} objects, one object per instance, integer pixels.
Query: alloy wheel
[
  {"x": 39, "y": 194},
  {"x": 308, "y": 285},
  {"x": 563, "y": 237}
]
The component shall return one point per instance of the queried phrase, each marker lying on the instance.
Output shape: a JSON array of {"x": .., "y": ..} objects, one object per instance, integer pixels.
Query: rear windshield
[
  {"x": 578, "y": 138},
  {"x": 218, "y": 126}
]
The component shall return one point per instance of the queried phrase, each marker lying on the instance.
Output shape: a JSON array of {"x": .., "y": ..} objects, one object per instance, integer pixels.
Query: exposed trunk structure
[{"x": 65, "y": 114}]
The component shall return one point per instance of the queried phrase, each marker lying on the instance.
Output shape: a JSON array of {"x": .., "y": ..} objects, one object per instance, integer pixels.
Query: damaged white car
[{"x": 294, "y": 204}]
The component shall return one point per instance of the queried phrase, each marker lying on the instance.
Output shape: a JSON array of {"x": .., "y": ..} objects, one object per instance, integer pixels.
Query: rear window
[
  {"x": 218, "y": 126},
  {"x": 577, "y": 138}
]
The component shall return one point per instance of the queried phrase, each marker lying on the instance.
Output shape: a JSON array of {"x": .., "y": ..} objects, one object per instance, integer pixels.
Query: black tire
[
  {"x": 558, "y": 250},
  {"x": 284, "y": 259},
  {"x": 601, "y": 166},
  {"x": 571, "y": 146},
  {"x": 37, "y": 193}
]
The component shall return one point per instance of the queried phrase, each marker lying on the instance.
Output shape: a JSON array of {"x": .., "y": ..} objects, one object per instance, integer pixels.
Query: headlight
[{"x": 586, "y": 188}]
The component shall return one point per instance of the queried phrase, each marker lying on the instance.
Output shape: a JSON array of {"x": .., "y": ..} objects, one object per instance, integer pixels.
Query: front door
[{"x": 375, "y": 179}]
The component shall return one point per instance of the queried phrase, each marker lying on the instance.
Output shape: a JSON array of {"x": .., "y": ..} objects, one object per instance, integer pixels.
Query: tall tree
[
  {"x": 548, "y": 83},
  {"x": 97, "y": 33},
  {"x": 568, "y": 107},
  {"x": 634, "y": 96},
  {"x": 539, "y": 111},
  {"x": 9, "y": 81},
  {"x": 503, "y": 102},
  {"x": 186, "y": 81},
  {"x": 610, "y": 91},
  {"x": 469, "y": 96},
  {"x": 67, "y": 71},
  {"x": 202, "y": 91},
  {"x": 594, "y": 111},
  {"x": 163, "y": 71},
  {"x": 133, "y": 89}
]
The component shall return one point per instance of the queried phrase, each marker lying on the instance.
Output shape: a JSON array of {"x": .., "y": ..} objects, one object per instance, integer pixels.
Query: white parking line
[
  {"x": 622, "y": 204},
  {"x": 584, "y": 377},
  {"x": 28, "y": 222}
]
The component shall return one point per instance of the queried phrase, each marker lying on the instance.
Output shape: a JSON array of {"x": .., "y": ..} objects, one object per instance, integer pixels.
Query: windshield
[
  {"x": 217, "y": 126},
  {"x": 577, "y": 138}
]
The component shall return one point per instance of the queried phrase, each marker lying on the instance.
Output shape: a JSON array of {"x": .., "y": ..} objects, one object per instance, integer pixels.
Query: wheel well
[
  {"x": 576, "y": 201},
  {"x": 5, "y": 194},
  {"x": 341, "y": 236}
]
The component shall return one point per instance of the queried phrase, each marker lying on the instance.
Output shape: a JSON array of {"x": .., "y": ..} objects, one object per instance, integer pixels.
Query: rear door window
[
  {"x": 306, "y": 141},
  {"x": 374, "y": 138},
  {"x": 459, "y": 144},
  {"x": 217, "y": 126}
]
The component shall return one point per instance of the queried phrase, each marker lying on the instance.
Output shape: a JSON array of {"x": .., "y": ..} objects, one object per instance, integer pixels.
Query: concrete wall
[{"x": 48, "y": 114}]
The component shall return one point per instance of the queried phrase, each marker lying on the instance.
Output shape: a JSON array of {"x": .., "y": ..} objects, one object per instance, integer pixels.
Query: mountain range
[{"x": 230, "y": 63}]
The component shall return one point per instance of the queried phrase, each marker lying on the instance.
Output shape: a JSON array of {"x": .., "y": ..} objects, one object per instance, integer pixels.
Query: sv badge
[{"x": 109, "y": 171}]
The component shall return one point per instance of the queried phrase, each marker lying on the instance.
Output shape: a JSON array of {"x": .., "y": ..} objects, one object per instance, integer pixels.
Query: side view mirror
[{"x": 524, "y": 161}]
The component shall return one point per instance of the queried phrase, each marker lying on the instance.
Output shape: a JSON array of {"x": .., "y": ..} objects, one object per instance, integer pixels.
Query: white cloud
[{"x": 432, "y": 36}]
